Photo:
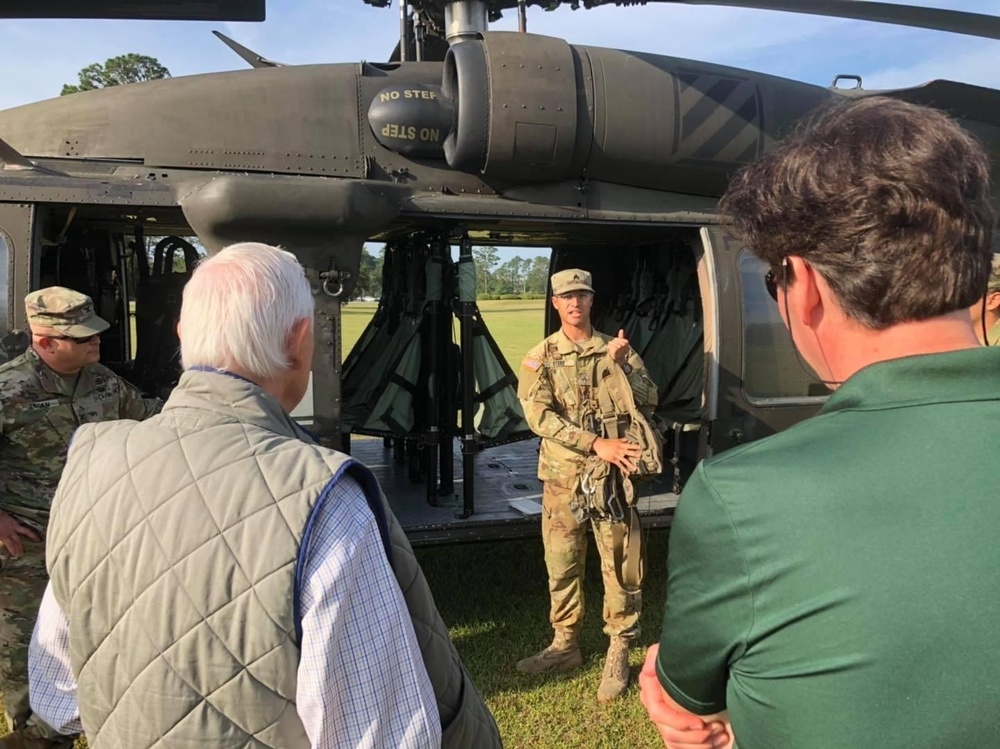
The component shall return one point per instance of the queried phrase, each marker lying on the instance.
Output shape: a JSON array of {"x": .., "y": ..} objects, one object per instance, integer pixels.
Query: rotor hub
[{"x": 465, "y": 19}]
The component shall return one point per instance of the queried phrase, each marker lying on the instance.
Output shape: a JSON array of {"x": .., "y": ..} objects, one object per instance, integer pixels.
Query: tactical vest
[
  {"x": 610, "y": 494},
  {"x": 158, "y": 580}
]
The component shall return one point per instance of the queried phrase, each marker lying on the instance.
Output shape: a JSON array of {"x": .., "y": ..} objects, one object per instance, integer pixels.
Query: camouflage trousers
[
  {"x": 565, "y": 541},
  {"x": 22, "y": 584}
]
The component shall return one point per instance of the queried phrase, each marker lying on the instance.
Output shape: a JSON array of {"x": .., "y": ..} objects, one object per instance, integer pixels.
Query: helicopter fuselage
[{"x": 615, "y": 160}]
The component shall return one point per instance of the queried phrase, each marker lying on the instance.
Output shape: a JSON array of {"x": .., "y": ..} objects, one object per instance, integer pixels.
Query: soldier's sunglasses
[{"x": 71, "y": 339}]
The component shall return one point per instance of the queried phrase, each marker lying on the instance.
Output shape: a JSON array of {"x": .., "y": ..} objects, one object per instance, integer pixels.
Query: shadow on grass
[{"x": 494, "y": 598}]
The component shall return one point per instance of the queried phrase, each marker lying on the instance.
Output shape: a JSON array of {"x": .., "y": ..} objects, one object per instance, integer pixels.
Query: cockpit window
[{"x": 771, "y": 368}]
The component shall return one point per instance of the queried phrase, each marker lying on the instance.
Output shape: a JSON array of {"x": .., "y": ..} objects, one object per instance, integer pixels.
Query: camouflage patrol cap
[
  {"x": 65, "y": 310},
  {"x": 995, "y": 274},
  {"x": 571, "y": 279}
]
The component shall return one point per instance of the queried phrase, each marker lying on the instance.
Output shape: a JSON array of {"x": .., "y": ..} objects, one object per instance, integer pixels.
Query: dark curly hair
[{"x": 888, "y": 201}]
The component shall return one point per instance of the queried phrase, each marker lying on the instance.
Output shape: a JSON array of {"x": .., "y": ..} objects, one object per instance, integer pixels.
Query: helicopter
[{"x": 466, "y": 136}]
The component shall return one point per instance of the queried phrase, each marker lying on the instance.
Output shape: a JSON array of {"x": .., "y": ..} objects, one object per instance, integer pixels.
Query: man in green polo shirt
[{"x": 834, "y": 586}]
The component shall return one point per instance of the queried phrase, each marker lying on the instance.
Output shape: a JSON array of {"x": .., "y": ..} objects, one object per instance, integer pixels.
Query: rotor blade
[
  {"x": 248, "y": 55},
  {"x": 152, "y": 10},
  {"x": 957, "y": 99},
  {"x": 956, "y": 21}
]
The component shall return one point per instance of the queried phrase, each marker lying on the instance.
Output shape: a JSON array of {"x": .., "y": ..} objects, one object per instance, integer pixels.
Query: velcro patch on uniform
[{"x": 532, "y": 364}]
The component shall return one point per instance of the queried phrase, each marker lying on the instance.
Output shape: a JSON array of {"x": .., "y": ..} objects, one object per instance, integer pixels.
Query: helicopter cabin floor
[{"x": 508, "y": 495}]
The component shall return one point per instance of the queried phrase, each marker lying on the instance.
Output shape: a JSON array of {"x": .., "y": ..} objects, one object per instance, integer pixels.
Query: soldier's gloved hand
[
  {"x": 618, "y": 348},
  {"x": 10, "y": 534},
  {"x": 621, "y": 453}
]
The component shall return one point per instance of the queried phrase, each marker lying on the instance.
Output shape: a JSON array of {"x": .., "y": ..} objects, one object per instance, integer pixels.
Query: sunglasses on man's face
[
  {"x": 71, "y": 339},
  {"x": 771, "y": 284},
  {"x": 771, "y": 280}
]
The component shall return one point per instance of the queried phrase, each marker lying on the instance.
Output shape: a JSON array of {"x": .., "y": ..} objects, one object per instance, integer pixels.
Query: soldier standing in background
[
  {"x": 45, "y": 394},
  {"x": 556, "y": 387},
  {"x": 986, "y": 312}
]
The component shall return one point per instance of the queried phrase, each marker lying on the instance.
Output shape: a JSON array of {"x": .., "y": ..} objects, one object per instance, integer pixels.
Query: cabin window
[{"x": 771, "y": 368}]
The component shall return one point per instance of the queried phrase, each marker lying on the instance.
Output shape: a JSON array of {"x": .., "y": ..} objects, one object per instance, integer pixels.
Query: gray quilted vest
[{"x": 180, "y": 595}]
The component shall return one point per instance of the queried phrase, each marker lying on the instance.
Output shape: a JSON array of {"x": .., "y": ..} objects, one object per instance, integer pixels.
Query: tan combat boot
[
  {"x": 614, "y": 680},
  {"x": 562, "y": 655}
]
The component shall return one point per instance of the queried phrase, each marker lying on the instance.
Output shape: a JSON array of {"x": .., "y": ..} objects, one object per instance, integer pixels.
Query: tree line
[
  {"x": 117, "y": 71},
  {"x": 522, "y": 277}
]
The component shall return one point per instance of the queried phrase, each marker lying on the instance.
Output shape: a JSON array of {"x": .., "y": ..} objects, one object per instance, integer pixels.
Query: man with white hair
[{"x": 218, "y": 579}]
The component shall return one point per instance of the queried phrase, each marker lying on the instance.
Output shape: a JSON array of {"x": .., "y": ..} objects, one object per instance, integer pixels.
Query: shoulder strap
[
  {"x": 629, "y": 552},
  {"x": 621, "y": 388}
]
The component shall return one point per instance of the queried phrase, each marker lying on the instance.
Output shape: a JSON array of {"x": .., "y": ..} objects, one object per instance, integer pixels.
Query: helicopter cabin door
[
  {"x": 756, "y": 382},
  {"x": 16, "y": 237}
]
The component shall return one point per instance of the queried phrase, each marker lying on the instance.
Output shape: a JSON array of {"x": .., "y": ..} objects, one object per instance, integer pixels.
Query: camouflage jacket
[
  {"x": 557, "y": 391},
  {"x": 39, "y": 411}
]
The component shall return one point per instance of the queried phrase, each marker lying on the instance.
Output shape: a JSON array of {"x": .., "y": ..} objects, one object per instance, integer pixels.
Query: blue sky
[{"x": 38, "y": 57}]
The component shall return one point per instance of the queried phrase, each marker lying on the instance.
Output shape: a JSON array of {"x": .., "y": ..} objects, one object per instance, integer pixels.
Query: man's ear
[
  {"x": 297, "y": 343},
  {"x": 805, "y": 291},
  {"x": 44, "y": 342},
  {"x": 993, "y": 301}
]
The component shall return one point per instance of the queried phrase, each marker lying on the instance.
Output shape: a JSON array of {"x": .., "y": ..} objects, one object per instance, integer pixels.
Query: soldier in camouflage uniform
[
  {"x": 556, "y": 387},
  {"x": 45, "y": 393},
  {"x": 986, "y": 312}
]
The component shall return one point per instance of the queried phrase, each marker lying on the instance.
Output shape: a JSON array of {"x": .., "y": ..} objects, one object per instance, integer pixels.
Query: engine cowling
[
  {"x": 516, "y": 101},
  {"x": 530, "y": 108}
]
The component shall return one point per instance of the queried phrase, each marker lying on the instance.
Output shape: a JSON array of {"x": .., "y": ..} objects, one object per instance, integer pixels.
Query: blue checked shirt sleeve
[
  {"x": 51, "y": 684},
  {"x": 361, "y": 679}
]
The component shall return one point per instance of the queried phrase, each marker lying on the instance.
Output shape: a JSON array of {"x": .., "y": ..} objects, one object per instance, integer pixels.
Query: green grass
[
  {"x": 516, "y": 326},
  {"x": 494, "y": 598}
]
